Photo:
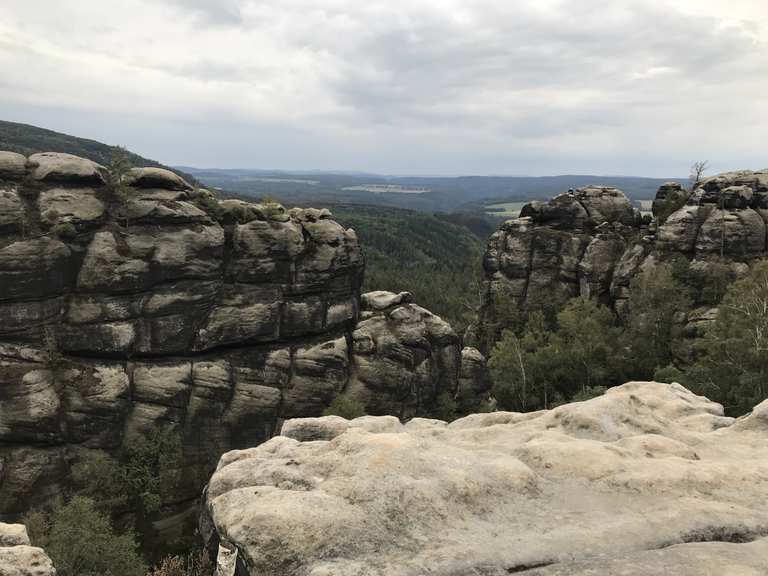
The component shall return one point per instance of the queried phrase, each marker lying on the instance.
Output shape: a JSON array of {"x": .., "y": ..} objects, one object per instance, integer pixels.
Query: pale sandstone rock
[
  {"x": 12, "y": 165},
  {"x": 167, "y": 310},
  {"x": 65, "y": 168},
  {"x": 18, "y": 557},
  {"x": 647, "y": 478}
]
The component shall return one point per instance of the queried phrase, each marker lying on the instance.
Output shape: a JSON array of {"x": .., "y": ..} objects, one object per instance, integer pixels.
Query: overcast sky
[{"x": 641, "y": 87}]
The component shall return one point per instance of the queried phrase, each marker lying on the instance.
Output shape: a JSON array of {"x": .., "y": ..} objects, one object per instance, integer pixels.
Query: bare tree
[{"x": 697, "y": 171}]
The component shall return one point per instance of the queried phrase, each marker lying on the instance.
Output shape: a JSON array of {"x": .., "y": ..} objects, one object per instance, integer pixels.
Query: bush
[
  {"x": 65, "y": 231},
  {"x": 152, "y": 465},
  {"x": 194, "y": 564},
  {"x": 346, "y": 407},
  {"x": 81, "y": 542},
  {"x": 446, "y": 407},
  {"x": 102, "y": 478}
]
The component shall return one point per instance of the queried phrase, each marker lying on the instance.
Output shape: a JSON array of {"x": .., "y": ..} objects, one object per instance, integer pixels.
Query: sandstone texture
[
  {"x": 647, "y": 479},
  {"x": 590, "y": 242},
  {"x": 18, "y": 557},
  {"x": 123, "y": 313}
]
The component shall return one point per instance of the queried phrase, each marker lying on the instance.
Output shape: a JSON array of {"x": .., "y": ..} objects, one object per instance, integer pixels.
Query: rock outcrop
[
  {"x": 590, "y": 242},
  {"x": 18, "y": 557},
  {"x": 132, "y": 308},
  {"x": 647, "y": 479}
]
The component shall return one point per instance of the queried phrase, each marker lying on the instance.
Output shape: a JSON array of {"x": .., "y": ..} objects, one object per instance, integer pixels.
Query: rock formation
[
  {"x": 128, "y": 307},
  {"x": 646, "y": 479},
  {"x": 18, "y": 557},
  {"x": 591, "y": 242}
]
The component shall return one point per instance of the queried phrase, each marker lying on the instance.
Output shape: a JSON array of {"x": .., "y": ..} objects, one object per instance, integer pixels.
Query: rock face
[
  {"x": 647, "y": 479},
  {"x": 590, "y": 242},
  {"x": 122, "y": 313},
  {"x": 18, "y": 557}
]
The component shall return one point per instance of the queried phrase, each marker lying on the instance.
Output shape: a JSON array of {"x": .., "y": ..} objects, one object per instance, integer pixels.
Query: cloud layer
[{"x": 422, "y": 86}]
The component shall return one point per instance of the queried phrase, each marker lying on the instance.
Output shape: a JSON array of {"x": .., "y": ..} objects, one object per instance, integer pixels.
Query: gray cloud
[{"x": 488, "y": 86}]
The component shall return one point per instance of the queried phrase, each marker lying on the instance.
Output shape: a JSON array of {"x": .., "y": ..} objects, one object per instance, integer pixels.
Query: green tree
[
  {"x": 735, "y": 348},
  {"x": 81, "y": 542},
  {"x": 152, "y": 464},
  {"x": 103, "y": 479},
  {"x": 522, "y": 367},
  {"x": 587, "y": 340},
  {"x": 345, "y": 406},
  {"x": 118, "y": 173},
  {"x": 656, "y": 298}
]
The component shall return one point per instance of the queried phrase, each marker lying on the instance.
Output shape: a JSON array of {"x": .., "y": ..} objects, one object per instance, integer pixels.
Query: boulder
[
  {"x": 12, "y": 166},
  {"x": 52, "y": 167},
  {"x": 18, "y": 557},
  {"x": 647, "y": 479},
  {"x": 157, "y": 178}
]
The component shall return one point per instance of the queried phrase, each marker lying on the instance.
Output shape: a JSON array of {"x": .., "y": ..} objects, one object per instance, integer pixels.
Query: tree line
[{"x": 546, "y": 357}]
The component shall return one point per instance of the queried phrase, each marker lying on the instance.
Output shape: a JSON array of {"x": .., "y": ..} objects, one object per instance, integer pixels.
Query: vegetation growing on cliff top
[{"x": 540, "y": 362}]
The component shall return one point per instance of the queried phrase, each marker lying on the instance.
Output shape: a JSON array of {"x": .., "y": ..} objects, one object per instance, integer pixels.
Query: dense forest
[
  {"x": 433, "y": 256},
  {"x": 575, "y": 350}
]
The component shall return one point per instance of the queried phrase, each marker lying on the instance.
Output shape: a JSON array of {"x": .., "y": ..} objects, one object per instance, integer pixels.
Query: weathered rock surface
[
  {"x": 124, "y": 314},
  {"x": 647, "y": 479},
  {"x": 590, "y": 242},
  {"x": 18, "y": 557}
]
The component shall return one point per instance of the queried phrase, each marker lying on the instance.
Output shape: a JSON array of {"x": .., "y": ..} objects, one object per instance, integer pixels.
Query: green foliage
[
  {"x": 103, "y": 479},
  {"x": 81, "y": 541},
  {"x": 446, "y": 407},
  {"x": 152, "y": 465},
  {"x": 211, "y": 205},
  {"x": 345, "y": 406},
  {"x": 670, "y": 205},
  {"x": 65, "y": 231},
  {"x": 541, "y": 367},
  {"x": 588, "y": 393},
  {"x": 655, "y": 299},
  {"x": 733, "y": 360},
  {"x": 437, "y": 261},
  {"x": 705, "y": 281}
]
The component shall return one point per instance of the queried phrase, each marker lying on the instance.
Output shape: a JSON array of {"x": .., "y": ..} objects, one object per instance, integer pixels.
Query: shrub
[
  {"x": 446, "y": 407},
  {"x": 81, "y": 542},
  {"x": 194, "y": 564},
  {"x": 346, "y": 407},
  {"x": 65, "y": 231},
  {"x": 152, "y": 464},
  {"x": 102, "y": 478}
]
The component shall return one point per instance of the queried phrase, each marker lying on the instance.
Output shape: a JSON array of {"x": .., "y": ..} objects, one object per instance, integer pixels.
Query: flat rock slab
[{"x": 646, "y": 479}]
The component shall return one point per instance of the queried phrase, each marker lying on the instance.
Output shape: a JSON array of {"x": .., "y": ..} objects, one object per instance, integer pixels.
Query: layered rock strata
[
  {"x": 647, "y": 479},
  {"x": 149, "y": 304},
  {"x": 590, "y": 242}
]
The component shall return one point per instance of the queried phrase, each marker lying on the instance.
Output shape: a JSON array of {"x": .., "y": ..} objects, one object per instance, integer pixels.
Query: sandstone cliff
[
  {"x": 18, "y": 557},
  {"x": 647, "y": 479},
  {"x": 123, "y": 310},
  {"x": 591, "y": 242}
]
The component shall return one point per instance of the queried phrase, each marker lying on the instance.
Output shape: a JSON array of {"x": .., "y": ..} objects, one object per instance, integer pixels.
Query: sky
[{"x": 538, "y": 87}]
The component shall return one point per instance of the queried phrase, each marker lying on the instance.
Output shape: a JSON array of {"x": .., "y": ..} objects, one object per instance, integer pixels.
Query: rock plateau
[{"x": 647, "y": 479}]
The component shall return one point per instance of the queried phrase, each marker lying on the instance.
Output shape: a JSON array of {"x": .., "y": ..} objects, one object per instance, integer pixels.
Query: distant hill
[
  {"x": 26, "y": 139},
  {"x": 425, "y": 194}
]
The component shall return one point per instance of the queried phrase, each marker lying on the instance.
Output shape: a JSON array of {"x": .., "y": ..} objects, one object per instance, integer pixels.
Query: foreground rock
[
  {"x": 18, "y": 557},
  {"x": 159, "y": 307},
  {"x": 647, "y": 479}
]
